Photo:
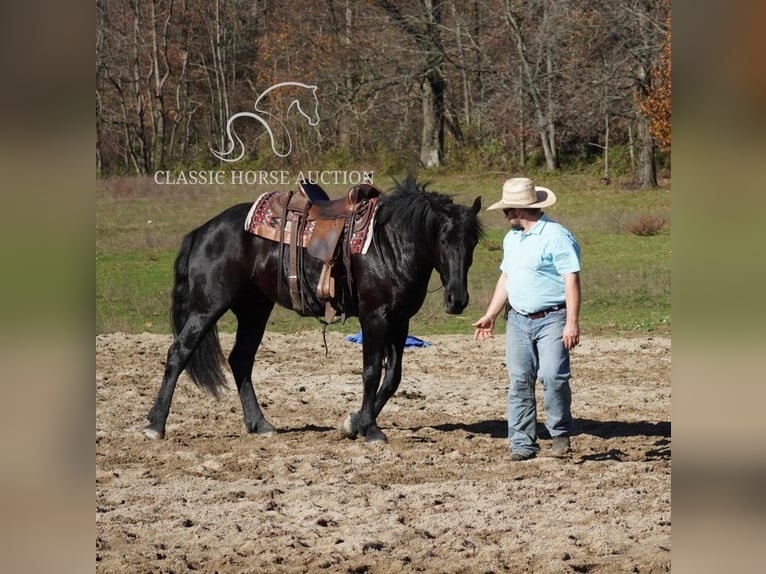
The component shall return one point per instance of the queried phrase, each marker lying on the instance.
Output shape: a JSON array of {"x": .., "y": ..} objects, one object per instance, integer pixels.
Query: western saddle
[{"x": 329, "y": 230}]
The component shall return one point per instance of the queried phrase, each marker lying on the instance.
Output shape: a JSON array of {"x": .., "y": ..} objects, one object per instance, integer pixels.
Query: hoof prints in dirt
[{"x": 441, "y": 496}]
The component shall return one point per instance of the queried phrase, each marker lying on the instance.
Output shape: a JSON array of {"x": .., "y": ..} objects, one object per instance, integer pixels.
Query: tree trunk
[
  {"x": 160, "y": 72},
  {"x": 548, "y": 140},
  {"x": 646, "y": 176},
  {"x": 432, "y": 89},
  {"x": 463, "y": 67},
  {"x": 522, "y": 126},
  {"x": 550, "y": 147},
  {"x": 607, "y": 178},
  {"x": 425, "y": 30},
  {"x": 478, "y": 82},
  {"x": 344, "y": 121},
  {"x": 540, "y": 92},
  {"x": 218, "y": 88},
  {"x": 142, "y": 155},
  {"x": 432, "y": 136}
]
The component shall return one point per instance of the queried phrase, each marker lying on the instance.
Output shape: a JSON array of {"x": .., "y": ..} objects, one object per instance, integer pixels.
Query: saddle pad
[{"x": 265, "y": 220}]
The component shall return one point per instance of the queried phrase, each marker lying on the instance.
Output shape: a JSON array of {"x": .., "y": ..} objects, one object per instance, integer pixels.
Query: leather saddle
[{"x": 308, "y": 221}]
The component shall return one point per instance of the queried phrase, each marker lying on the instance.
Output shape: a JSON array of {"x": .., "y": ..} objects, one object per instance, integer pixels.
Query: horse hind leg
[
  {"x": 196, "y": 329},
  {"x": 251, "y": 324},
  {"x": 158, "y": 414}
]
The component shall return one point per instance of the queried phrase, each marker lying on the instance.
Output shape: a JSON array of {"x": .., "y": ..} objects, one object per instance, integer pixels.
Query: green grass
[
  {"x": 625, "y": 277},
  {"x": 626, "y": 283}
]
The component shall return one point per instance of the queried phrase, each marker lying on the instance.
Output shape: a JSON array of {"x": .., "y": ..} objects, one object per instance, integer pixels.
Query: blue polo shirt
[{"x": 534, "y": 262}]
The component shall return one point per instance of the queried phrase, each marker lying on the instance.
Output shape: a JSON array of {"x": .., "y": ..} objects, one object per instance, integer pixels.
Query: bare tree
[
  {"x": 423, "y": 26},
  {"x": 534, "y": 43},
  {"x": 639, "y": 34},
  {"x": 159, "y": 73},
  {"x": 475, "y": 79}
]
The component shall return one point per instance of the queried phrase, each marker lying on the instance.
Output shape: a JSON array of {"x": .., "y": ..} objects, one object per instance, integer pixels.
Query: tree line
[{"x": 491, "y": 84}]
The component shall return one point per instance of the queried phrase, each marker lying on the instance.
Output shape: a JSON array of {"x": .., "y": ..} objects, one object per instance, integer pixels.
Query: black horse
[{"x": 220, "y": 267}]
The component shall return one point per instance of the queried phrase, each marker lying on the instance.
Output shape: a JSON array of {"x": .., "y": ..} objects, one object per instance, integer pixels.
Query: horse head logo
[{"x": 271, "y": 121}]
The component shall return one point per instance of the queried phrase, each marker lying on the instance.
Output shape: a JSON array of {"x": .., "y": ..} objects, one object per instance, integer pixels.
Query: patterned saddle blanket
[
  {"x": 328, "y": 230},
  {"x": 270, "y": 211}
]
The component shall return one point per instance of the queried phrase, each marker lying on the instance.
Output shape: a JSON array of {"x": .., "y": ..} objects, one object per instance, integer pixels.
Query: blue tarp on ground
[{"x": 410, "y": 342}]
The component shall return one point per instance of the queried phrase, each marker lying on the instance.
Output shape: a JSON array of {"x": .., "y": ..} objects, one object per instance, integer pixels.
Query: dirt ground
[{"x": 441, "y": 496}]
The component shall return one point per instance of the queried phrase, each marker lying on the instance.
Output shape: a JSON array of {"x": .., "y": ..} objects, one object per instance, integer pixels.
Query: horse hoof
[
  {"x": 153, "y": 434},
  {"x": 346, "y": 428},
  {"x": 264, "y": 428},
  {"x": 374, "y": 434}
]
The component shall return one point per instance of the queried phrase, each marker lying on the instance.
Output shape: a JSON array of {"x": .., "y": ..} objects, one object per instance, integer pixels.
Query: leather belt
[{"x": 542, "y": 313}]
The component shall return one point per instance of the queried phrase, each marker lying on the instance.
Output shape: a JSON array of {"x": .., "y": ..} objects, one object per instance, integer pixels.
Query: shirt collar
[{"x": 537, "y": 228}]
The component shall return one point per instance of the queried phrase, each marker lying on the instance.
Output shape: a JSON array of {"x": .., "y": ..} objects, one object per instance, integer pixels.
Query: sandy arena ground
[{"x": 442, "y": 495}]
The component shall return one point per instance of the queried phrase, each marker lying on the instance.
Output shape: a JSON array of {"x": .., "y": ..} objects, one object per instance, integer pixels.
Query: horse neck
[{"x": 412, "y": 247}]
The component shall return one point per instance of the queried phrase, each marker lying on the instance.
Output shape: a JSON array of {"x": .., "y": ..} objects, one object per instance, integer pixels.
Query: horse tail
[{"x": 204, "y": 365}]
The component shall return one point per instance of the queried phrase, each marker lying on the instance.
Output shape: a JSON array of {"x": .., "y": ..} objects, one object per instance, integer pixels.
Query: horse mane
[{"x": 411, "y": 206}]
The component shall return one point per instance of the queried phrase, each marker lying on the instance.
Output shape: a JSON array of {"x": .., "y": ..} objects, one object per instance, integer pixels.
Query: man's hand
[
  {"x": 484, "y": 328},
  {"x": 571, "y": 335}
]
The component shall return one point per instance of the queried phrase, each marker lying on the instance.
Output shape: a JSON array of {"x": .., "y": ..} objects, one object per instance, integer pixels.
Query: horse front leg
[
  {"x": 393, "y": 364},
  {"x": 367, "y": 420},
  {"x": 376, "y": 347},
  {"x": 363, "y": 421}
]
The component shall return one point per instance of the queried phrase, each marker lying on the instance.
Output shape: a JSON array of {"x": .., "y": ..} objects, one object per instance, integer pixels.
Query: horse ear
[{"x": 476, "y": 205}]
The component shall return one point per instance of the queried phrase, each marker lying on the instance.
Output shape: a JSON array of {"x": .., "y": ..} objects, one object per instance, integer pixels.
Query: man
[{"x": 540, "y": 280}]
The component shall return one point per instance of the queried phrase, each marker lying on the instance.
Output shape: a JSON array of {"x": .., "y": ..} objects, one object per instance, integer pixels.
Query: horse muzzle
[{"x": 454, "y": 304}]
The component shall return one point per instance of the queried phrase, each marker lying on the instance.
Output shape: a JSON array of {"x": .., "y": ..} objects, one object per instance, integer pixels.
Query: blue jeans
[{"x": 534, "y": 350}]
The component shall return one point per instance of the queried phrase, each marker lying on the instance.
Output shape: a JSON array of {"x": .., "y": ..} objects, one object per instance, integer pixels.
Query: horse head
[{"x": 458, "y": 235}]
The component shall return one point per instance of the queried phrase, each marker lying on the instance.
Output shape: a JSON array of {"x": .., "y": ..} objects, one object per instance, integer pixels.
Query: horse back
[
  {"x": 221, "y": 251},
  {"x": 229, "y": 259}
]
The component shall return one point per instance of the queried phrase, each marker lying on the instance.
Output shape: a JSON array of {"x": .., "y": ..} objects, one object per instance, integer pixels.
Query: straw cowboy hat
[{"x": 520, "y": 192}]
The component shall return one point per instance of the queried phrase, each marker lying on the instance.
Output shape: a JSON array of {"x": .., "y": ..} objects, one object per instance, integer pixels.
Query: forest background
[
  {"x": 461, "y": 86},
  {"x": 575, "y": 94}
]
